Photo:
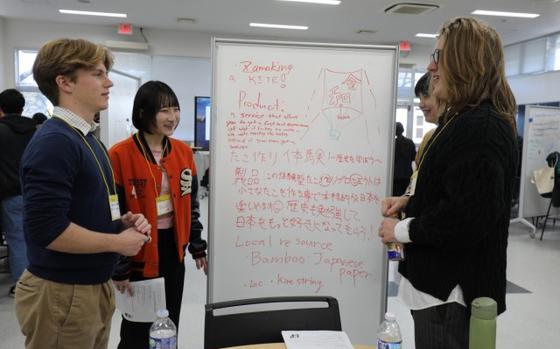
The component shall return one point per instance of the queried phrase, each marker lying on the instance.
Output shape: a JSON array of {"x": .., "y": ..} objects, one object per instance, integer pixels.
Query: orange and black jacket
[{"x": 136, "y": 186}]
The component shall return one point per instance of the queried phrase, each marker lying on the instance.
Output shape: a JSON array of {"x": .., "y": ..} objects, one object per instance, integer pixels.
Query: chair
[
  {"x": 265, "y": 326},
  {"x": 553, "y": 160}
]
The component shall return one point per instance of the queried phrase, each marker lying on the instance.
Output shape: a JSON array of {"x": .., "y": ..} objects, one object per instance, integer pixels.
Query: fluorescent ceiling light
[
  {"x": 505, "y": 14},
  {"x": 322, "y": 2},
  {"x": 426, "y": 35},
  {"x": 91, "y": 13},
  {"x": 279, "y": 26}
]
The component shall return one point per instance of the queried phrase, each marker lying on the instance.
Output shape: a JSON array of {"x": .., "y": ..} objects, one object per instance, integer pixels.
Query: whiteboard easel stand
[
  {"x": 525, "y": 223},
  {"x": 520, "y": 217}
]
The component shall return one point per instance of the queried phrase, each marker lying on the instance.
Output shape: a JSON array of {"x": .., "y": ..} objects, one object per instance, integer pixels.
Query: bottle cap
[
  {"x": 390, "y": 317},
  {"x": 162, "y": 313},
  {"x": 484, "y": 308}
]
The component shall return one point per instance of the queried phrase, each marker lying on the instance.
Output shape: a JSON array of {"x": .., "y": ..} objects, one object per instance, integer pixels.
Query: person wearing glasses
[
  {"x": 456, "y": 230},
  {"x": 72, "y": 222},
  {"x": 156, "y": 175}
]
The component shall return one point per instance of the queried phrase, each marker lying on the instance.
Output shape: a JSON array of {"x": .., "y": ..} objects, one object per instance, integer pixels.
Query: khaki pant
[{"x": 60, "y": 316}]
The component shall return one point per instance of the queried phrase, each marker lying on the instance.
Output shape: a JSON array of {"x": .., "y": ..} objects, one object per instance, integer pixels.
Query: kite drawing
[{"x": 341, "y": 100}]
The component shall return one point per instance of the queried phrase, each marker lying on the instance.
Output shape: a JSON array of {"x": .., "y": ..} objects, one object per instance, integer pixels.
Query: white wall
[
  {"x": 181, "y": 59},
  {"x": 538, "y": 88},
  {"x": 188, "y": 77},
  {"x": 419, "y": 55},
  {"x": 18, "y": 33},
  {"x": 179, "y": 43}
]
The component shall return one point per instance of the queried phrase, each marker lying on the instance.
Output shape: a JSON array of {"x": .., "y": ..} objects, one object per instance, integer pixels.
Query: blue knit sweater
[{"x": 61, "y": 184}]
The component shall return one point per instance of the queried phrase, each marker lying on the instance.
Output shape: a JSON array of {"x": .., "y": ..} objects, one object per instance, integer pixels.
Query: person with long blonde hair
[{"x": 456, "y": 230}]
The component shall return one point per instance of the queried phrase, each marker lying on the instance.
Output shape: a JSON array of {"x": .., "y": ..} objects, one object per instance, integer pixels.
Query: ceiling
[{"x": 326, "y": 23}]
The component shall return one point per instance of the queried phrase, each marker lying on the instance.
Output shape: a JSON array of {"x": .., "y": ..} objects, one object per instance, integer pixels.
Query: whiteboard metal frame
[
  {"x": 301, "y": 44},
  {"x": 521, "y": 204},
  {"x": 521, "y": 215}
]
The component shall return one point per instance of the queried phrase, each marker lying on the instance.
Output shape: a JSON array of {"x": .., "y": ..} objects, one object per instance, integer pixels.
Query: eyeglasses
[{"x": 435, "y": 56}]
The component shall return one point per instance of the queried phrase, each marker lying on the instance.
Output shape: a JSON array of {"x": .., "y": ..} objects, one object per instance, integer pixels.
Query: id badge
[
  {"x": 115, "y": 208},
  {"x": 164, "y": 204},
  {"x": 412, "y": 185}
]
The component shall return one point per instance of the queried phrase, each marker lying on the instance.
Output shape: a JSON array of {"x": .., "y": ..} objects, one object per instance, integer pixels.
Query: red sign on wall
[{"x": 125, "y": 29}]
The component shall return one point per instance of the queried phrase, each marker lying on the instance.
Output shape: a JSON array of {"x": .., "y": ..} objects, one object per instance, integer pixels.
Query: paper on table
[
  {"x": 149, "y": 296},
  {"x": 316, "y": 340}
]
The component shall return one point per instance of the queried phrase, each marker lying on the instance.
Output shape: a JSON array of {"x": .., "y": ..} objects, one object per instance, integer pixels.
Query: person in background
[
  {"x": 15, "y": 132},
  {"x": 456, "y": 230},
  {"x": 72, "y": 222},
  {"x": 405, "y": 152},
  {"x": 39, "y": 119},
  {"x": 156, "y": 175},
  {"x": 97, "y": 125}
]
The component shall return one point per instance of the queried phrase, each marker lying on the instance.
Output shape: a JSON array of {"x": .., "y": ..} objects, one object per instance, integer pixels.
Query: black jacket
[
  {"x": 461, "y": 209},
  {"x": 405, "y": 153},
  {"x": 15, "y": 133}
]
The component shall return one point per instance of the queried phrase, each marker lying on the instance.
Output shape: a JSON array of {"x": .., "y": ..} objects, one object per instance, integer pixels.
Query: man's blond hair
[{"x": 65, "y": 57}]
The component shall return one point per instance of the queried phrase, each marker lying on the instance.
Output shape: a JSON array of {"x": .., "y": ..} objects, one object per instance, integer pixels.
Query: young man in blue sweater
[{"x": 72, "y": 221}]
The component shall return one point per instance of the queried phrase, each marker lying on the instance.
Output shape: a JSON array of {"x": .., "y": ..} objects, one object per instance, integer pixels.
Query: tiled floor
[{"x": 531, "y": 321}]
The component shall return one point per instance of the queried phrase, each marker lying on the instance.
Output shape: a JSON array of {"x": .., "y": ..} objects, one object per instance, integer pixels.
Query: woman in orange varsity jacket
[{"x": 156, "y": 176}]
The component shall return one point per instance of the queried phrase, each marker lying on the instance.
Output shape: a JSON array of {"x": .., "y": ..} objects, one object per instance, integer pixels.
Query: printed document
[
  {"x": 148, "y": 297},
  {"x": 316, "y": 340}
]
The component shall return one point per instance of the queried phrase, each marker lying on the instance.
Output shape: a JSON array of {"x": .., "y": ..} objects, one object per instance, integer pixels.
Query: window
[
  {"x": 402, "y": 116},
  {"x": 405, "y": 79},
  {"x": 421, "y": 127},
  {"x": 539, "y": 55},
  {"x": 24, "y": 67},
  {"x": 534, "y": 54},
  {"x": 512, "y": 59},
  {"x": 553, "y": 55},
  {"x": 405, "y": 86},
  {"x": 35, "y": 101}
]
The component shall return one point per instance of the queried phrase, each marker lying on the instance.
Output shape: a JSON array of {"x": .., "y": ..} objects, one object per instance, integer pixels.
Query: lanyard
[
  {"x": 147, "y": 162},
  {"x": 96, "y": 159}
]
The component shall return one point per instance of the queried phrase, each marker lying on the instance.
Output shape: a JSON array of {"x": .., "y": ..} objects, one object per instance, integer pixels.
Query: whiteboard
[
  {"x": 541, "y": 137},
  {"x": 301, "y": 157}
]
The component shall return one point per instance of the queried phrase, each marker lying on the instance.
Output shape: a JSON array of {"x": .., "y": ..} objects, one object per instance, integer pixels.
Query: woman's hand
[
  {"x": 387, "y": 230},
  {"x": 392, "y": 206},
  {"x": 202, "y": 262}
]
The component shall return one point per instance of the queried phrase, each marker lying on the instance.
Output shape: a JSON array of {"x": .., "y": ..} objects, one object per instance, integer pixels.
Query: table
[{"x": 282, "y": 346}]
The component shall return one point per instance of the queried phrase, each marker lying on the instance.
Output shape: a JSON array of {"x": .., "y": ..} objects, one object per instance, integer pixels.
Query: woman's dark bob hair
[{"x": 149, "y": 100}]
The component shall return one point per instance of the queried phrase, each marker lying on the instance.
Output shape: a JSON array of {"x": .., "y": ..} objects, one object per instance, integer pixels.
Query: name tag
[
  {"x": 164, "y": 204},
  {"x": 412, "y": 185},
  {"x": 114, "y": 206}
]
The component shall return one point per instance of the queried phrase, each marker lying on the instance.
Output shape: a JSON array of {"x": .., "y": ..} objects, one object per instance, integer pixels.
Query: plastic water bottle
[
  {"x": 482, "y": 332},
  {"x": 163, "y": 333},
  {"x": 395, "y": 251},
  {"x": 389, "y": 333}
]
